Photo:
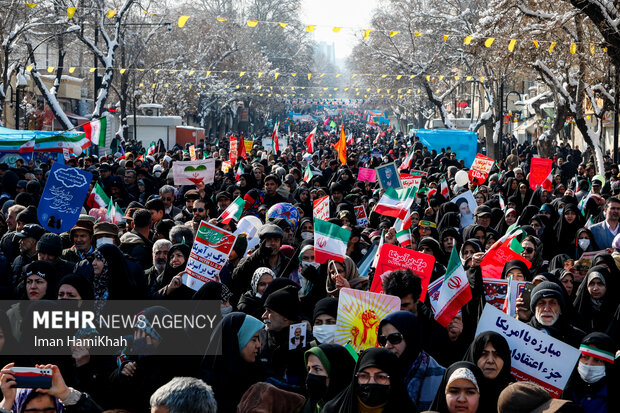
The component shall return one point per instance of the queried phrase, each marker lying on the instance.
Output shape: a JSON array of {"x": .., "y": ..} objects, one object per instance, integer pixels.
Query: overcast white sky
[{"x": 341, "y": 13}]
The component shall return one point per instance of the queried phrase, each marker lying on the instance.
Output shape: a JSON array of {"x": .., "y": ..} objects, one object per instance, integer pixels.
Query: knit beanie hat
[
  {"x": 28, "y": 215},
  {"x": 285, "y": 302},
  {"x": 50, "y": 244},
  {"x": 546, "y": 289},
  {"x": 327, "y": 305}
]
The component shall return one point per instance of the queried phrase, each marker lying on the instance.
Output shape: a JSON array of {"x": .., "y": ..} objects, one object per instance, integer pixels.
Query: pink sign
[
  {"x": 365, "y": 174},
  {"x": 410, "y": 181}
]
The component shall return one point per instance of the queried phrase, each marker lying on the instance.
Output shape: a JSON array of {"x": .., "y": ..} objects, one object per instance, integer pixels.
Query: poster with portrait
[
  {"x": 297, "y": 336},
  {"x": 467, "y": 205},
  {"x": 388, "y": 176}
]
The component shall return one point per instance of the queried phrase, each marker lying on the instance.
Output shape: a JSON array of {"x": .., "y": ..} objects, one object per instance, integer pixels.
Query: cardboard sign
[
  {"x": 359, "y": 314},
  {"x": 480, "y": 169},
  {"x": 493, "y": 262},
  {"x": 248, "y": 145},
  {"x": 297, "y": 336},
  {"x": 393, "y": 258},
  {"x": 320, "y": 208},
  {"x": 467, "y": 205},
  {"x": 209, "y": 254},
  {"x": 496, "y": 290},
  {"x": 63, "y": 197},
  {"x": 194, "y": 172},
  {"x": 535, "y": 356},
  {"x": 366, "y": 174},
  {"x": 388, "y": 176},
  {"x": 539, "y": 171},
  {"x": 360, "y": 214},
  {"x": 410, "y": 180}
]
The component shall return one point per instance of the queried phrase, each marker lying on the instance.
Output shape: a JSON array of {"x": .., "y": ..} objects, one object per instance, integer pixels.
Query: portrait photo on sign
[
  {"x": 388, "y": 177},
  {"x": 467, "y": 205},
  {"x": 297, "y": 336}
]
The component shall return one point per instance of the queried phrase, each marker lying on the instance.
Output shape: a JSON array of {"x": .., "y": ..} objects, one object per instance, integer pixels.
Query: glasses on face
[
  {"x": 528, "y": 250},
  {"x": 394, "y": 338},
  {"x": 380, "y": 378},
  {"x": 198, "y": 210},
  {"x": 167, "y": 198}
]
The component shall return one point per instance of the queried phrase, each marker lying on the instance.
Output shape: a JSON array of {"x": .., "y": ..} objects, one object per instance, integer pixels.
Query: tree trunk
[{"x": 447, "y": 123}]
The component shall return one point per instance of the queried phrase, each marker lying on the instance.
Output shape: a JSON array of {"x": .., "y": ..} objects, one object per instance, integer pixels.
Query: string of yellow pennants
[
  {"x": 276, "y": 75},
  {"x": 467, "y": 40}
]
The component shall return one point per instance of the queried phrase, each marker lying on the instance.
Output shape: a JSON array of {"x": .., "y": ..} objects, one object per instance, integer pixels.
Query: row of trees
[{"x": 576, "y": 54}]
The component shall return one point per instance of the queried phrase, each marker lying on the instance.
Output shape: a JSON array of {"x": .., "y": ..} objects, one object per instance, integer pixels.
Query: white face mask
[
  {"x": 104, "y": 240},
  {"x": 307, "y": 235},
  {"x": 590, "y": 374},
  {"x": 316, "y": 265},
  {"x": 325, "y": 333},
  {"x": 584, "y": 243}
]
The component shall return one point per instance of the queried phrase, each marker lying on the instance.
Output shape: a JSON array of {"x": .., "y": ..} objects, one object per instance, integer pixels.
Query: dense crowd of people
[{"x": 274, "y": 282}]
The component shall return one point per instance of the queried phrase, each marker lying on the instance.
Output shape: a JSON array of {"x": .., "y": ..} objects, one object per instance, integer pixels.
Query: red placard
[
  {"x": 480, "y": 168},
  {"x": 493, "y": 262},
  {"x": 393, "y": 258},
  {"x": 539, "y": 171}
]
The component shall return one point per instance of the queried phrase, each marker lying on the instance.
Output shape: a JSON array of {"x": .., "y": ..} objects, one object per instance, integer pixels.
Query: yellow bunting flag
[
  {"x": 157, "y": 71},
  {"x": 336, "y": 29},
  {"x": 367, "y": 33},
  {"x": 123, "y": 71},
  {"x": 552, "y": 46},
  {"x": 92, "y": 69},
  {"x": 29, "y": 68},
  {"x": 445, "y": 37},
  {"x": 428, "y": 78},
  {"x": 191, "y": 72},
  {"x": 260, "y": 74},
  {"x": 468, "y": 78},
  {"x": 323, "y": 74},
  {"x": 398, "y": 77},
  {"x": 293, "y": 74},
  {"x": 383, "y": 76},
  {"x": 417, "y": 33},
  {"x": 457, "y": 77},
  {"x": 394, "y": 33},
  {"x": 182, "y": 20},
  {"x": 31, "y": 5},
  {"x": 111, "y": 13},
  {"x": 592, "y": 48},
  {"x": 338, "y": 74},
  {"x": 208, "y": 73},
  {"x": 511, "y": 45},
  {"x": 276, "y": 75},
  {"x": 252, "y": 23},
  {"x": 441, "y": 78},
  {"x": 283, "y": 25},
  {"x": 50, "y": 69},
  {"x": 310, "y": 28},
  {"x": 468, "y": 39},
  {"x": 411, "y": 77},
  {"x": 166, "y": 85},
  {"x": 241, "y": 74},
  {"x": 488, "y": 42},
  {"x": 309, "y": 76},
  {"x": 221, "y": 19},
  {"x": 72, "y": 69},
  {"x": 354, "y": 75},
  {"x": 535, "y": 43},
  {"x": 482, "y": 79},
  {"x": 71, "y": 11},
  {"x": 154, "y": 85},
  {"x": 573, "y": 48}
]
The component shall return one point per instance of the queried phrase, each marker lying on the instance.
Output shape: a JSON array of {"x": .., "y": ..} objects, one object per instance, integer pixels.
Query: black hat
[
  {"x": 31, "y": 231},
  {"x": 546, "y": 289},
  {"x": 223, "y": 194},
  {"x": 80, "y": 283},
  {"x": 285, "y": 302},
  {"x": 482, "y": 210},
  {"x": 50, "y": 244},
  {"x": 327, "y": 305},
  {"x": 281, "y": 222},
  {"x": 22, "y": 183},
  {"x": 28, "y": 215},
  {"x": 270, "y": 230},
  {"x": 43, "y": 269}
]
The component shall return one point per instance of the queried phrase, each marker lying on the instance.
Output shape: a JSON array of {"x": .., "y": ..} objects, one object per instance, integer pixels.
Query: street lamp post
[{"x": 137, "y": 95}]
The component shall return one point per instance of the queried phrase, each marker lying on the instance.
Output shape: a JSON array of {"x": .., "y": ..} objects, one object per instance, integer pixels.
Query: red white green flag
[
  {"x": 151, "y": 149},
  {"x": 234, "y": 211},
  {"x": 308, "y": 175},
  {"x": 97, "y": 198},
  {"x": 445, "y": 190},
  {"x": 396, "y": 202},
  {"x": 310, "y": 140},
  {"x": 404, "y": 238},
  {"x": 454, "y": 292},
  {"x": 330, "y": 242},
  {"x": 407, "y": 161},
  {"x": 96, "y": 131},
  {"x": 274, "y": 136}
]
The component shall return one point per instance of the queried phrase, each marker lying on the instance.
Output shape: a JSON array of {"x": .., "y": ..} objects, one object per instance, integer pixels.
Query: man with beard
[
  {"x": 82, "y": 237},
  {"x": 28, "y": 237},
  {"x": 200, "y": 212},
  {"x": 160, "y": 259},
  {"x": 547, "y": 305},
  {"x": 223, "y": 199}
]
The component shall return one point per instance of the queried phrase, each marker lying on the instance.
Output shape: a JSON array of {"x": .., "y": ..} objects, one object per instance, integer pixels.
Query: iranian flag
[
  {"x": 96, "y": 131},
  {"x": 597, "y": 353},
  {"x": 502, "y": 204},
  {"x": 454, "y": 292},
  {"x": 310, "y": 140},
  {"x": 376, "y": 260},
  {"x": 115, "y": 213},
  {"x": 234, "y": 211},
  {"x": 330, "y": 242},
  {"x": 274, "y": 137},
  {"x": 240, "y": 171},
  {"x": 308, "y": 175},
  {"x": 396, "y": 202},
  {"x": 402, "y": 224},
  {"x": 97, "y": 197},
  {"x": 377, "y": 138},
  {"x": 445, "y": 190},
  {"x": 404, "y": 238},
  {"x": 407, "y": 161},
  {"x": 27, "y": 147},
  {"x": 151, "y": 149}
]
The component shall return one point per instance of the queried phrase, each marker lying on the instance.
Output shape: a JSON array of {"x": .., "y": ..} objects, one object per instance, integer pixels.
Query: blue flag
[{"x": 63, "y": 197}]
